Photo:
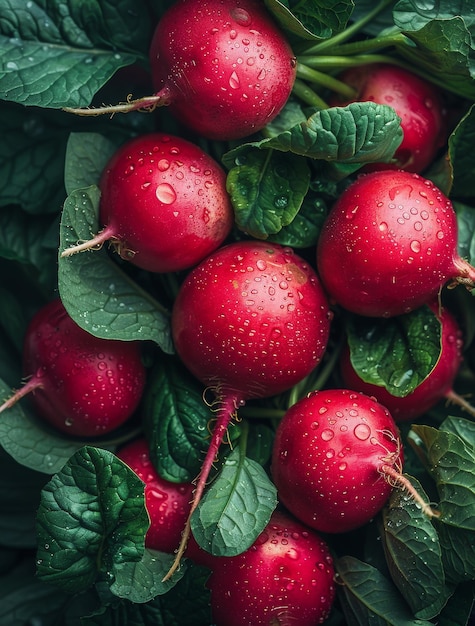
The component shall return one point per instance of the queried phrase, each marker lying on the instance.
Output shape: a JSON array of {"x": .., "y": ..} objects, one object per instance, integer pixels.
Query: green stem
[
  {"x": 325, "y": 80},
  {"x": 261, "y": 412},
  {"x": 364, "y": 46},
  {"x": 307, "y": 95},
  {"x": 350, "y": 31}
]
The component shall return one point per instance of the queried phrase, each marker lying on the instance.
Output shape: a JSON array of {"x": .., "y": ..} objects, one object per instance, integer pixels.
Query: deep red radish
[
  {"x": 250, "y": 321},
  {"x": 285, "y": 577},
  {"x": 389, "y": 245},
  {"x": 82, "y": 385},
  {"x": 437, "y": 386},
  {"x": 417, "y": 102},
  {"x": 223, "y": 67},
  {"x": 336, "y": 458},
  {"x": 164, "y": 204},
  {"x": 167, "y": 503}
]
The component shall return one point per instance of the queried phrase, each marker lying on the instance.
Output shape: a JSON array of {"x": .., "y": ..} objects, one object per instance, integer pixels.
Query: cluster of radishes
[{"x": 252, "y": 319}]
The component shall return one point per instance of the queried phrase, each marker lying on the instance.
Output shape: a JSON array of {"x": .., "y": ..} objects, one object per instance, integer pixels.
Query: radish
[
  {"x": 223, "y": 67},
  {"x": 167, "y": 503},
  {"x": 250, "y": 321},
  {"x": 389, "y": 244},
  {"x": 82, "y": 385},
  {"x": 435, "y": 387},
  {"x": 417, "y": 102},
  {"x": 337, "y": 456},
  {"x": 164, "y": 204},
  {"x": 285, "y": 577}
]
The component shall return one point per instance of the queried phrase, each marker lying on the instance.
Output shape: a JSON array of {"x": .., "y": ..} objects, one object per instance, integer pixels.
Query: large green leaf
[
  {"x": 451, "y": 462},
  {"x": 86, "y": 156},
  {"x": 54, "y": 54},
  {"x": 175, "y": 420},
  {"x": 236, "y": 507},
  {"x": 91, "y": 520},
  {"x": 369, "y": 598},
  {"x": 97, "y": 294},
  {"x": 396, "y": 353},
  {"x": 414, "y": 555},
  {"x": 314, "y": 19}
]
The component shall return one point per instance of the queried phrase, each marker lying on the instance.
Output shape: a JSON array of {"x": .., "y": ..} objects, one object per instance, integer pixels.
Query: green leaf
[
  {"x": 99, "y": 296},
  {"x": 91, "y": 520},
  {"x": 466, "y": 231},
  {"x": 458, "y": 555},
  {"x": 316, "y": 19},
  {"x": 30, "y": 443},
  {"x": 236, "y": 507},
  {"x": 54, "y": 54},
  {"x": 458, "y": 609},
  {"x": 451, "y": 464},
  {"x": 175, "y": 421},
  {"x": 361, "y": 132},
  {"x": 369, "y": 598},
  {"x": 415, "y": 14},
  {"x": 141, "y": 581},
  {"x": 461, "y": 156},
  {"x": 87, "y": 155},
  {"x": 414, "y": 555},
  {"x": 266, "y": 190},
  {"x": 396, "y": 353},
  {"x": 463, "y": 428}
]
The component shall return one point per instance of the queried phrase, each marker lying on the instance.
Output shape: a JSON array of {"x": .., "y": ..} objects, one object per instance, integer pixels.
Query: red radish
[
  {"x": 82, "y": 385},
  {"x": 437, "y": 386},
  {"x": 167, "y": 503},
  {"x": 250, "y": 321},
  {"x": 418, "y": 103},
  {"x": 285, "y": 577},
  {"x": 223, "y": 67},
  {"x": 336, "y": 458},
  {"x": 164, "y": 204},
  {"x": 389, "y": 244}
]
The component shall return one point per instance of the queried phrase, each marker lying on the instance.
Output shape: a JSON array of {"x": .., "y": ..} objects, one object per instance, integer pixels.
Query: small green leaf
[
  {"x": 396, "y": 353},
  {"x": 87, "y": 155},
  {"x": 141, "y": 581},
  {"x": 175, "y": 420},
  {"x": 91, "y": 519},
  {"x": 451, "y": 464},
  {"x": 319, "y": 19},
  {"x": 414, "y": 555},
  {"x": 99, "y": 296},
  {"x": 369, "y": 598},
  {"x": 267, "y": 189},
  {"x": 236, "y": 507},
  {"x": 30, "y": 443}
]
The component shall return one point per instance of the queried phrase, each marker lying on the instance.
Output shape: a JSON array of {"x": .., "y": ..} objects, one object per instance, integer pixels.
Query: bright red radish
[
  {"x": 223, "y": 67},
  {"x": 336, "y": 458},
  {"x": 389, "y": 245},
  {"x": 82, "y": 385},
  {"x": 437, "y": 386},
  {"x": 164, "y": 204},
  {"x": 285, "y": 577},
  {"x": 418, "y": 103},
  {"x": 167, "y": 503},
  {"x": 250, "y": 321}
]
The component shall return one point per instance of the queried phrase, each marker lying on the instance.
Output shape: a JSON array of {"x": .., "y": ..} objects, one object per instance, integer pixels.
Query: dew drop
[
  {"x": 163, "y": 165},
  {"x": 241, "y": 16},
  {"x": 415, "y": 246},
  {"x": 165, "y": 193},
  {"x": 362, "y": 432},
  {"x": 234, "y": 82},
  {"x": 327, "y": 434}
]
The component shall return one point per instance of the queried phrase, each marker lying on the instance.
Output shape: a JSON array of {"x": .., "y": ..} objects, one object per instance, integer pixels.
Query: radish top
[
  {"x": 224, "y": 66},
  {"x": 252, "y": 318}
]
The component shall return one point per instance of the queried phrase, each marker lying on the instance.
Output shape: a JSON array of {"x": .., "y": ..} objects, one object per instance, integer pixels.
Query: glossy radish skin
[
  {"x": 250, "y": 321},
  {"x": 435, "y": 387},
  {"x": 167, "y": 503},
  {"x": 285, "y": 577},
  {"x": 164, "y": 203},
  {"x": 82, "y": 385},
  {"x": 389, "y": 244},
  {"x": 224, "y": 66},
  {"x": 417, "y": 102},
  {"x": 330, "y": 459}
]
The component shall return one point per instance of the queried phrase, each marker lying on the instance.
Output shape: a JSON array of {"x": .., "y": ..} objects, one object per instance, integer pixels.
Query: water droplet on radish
[
  {"x": 234, "y": 81},
  {"x": 163, "y": 165},
  {"x": 165, "y": 193},
  {"x": 415, "y": 246},
  {"x": 362, "y": 432},
  {"x": 327, "y": 434},
  {"x": 241, "y": 16}
]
